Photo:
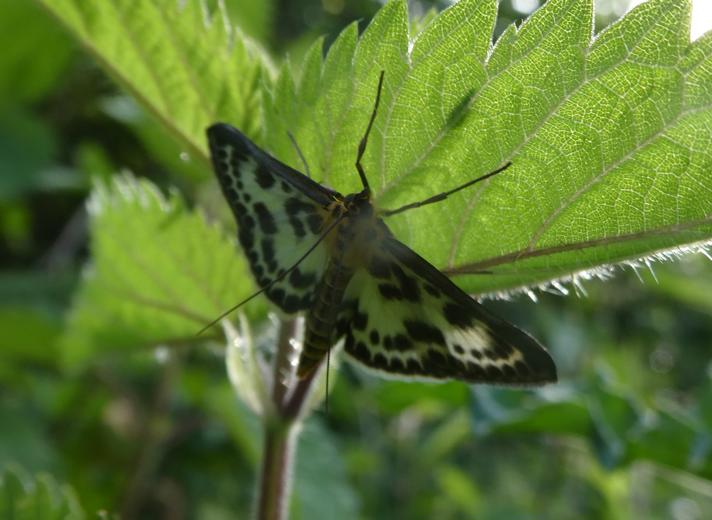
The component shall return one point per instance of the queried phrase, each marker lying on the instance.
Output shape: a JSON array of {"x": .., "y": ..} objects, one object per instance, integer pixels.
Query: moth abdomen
[{"x": 321, "y": 318}]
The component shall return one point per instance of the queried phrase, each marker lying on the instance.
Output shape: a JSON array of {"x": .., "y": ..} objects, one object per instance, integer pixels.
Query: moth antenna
[
  {"x": 364, "y": 139},
  {"x": 271, "y": 283},
  {"x": 445, "y": 194},
  {"x": 299, "y": 153}
]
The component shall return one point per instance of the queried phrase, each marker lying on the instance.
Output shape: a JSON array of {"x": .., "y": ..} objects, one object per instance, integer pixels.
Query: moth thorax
[{"x": 356, "y": 239}]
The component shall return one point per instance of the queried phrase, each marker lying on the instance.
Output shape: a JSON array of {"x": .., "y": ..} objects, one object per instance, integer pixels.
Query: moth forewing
[{"x": 279, "y": 214}]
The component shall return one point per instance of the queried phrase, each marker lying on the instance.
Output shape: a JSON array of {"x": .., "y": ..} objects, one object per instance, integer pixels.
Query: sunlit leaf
[
  {"x": 159, "y": 272},
  {"x": 189, "y": 68},
  {"x": 609, "y": 138}
]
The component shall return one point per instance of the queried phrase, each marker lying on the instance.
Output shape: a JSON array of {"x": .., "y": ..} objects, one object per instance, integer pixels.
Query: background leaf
[
  {"x": 160, "y": 273},
  {"x": 187, "y": 66},
  {"x": 40, "y": 497}
]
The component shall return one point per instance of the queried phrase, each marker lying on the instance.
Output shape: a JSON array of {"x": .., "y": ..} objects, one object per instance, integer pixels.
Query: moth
[{"x": 396, "y": 312}]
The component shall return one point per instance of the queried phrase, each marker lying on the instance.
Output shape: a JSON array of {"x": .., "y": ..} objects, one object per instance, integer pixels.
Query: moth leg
[{"x": 299, "y": 153}]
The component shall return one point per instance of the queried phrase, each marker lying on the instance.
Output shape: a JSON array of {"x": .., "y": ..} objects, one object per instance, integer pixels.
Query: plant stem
[
  {"x": 276, "y": 472},
  {"x": 281, "y": 423}
]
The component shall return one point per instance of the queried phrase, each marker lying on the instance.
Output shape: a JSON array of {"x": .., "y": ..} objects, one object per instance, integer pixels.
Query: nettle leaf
[
  {"x": 189, "y": 66},
  {"x": 621, "y": 428},
  {"x": 609, "y": 136},
  {"x": 159, "y": 273},
  {"x": 40, "y": 496}
]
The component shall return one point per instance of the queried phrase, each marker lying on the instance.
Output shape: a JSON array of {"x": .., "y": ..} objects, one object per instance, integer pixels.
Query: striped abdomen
[{"x": 321, "y": 318}]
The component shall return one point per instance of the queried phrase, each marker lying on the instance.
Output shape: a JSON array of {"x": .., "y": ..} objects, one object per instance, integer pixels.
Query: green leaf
[
  {"x": 257, "y": 19},
  {"x": 37, "y": 497},
  {"x": 188, "y": 68},
  {"x": 320, "y": 473},
  {"x": 23, "y": 439},
  {"x": 159, "y": 274},
  {"x": 27, "y": 69},
  {"x": 608, "y": 137},
  {"x": 27, "y": 149},
  {"x": 620, "y": 428}
]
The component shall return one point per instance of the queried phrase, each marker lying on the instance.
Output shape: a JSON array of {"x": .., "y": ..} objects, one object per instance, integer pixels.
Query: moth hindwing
[{"x": 397, "y": 313}]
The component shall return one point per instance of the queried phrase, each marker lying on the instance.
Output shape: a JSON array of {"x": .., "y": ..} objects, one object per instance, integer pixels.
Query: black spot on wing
[
  {"x": 357, "y": 349},
  {"x": 268, "y": 253},
  {"x": 264, "y": 177},
  {"x": 233, "y": 197},
  {"x": 314, "y": 222},
  {"x": 297, "y": 226},
  {"x": 296, "y": 206},
  {"x": 414, "y": 367},
  {"x": 265, "y": 218},
  {"x": 247, "y": 221},
  {"x": 437, "y": 361},
  {"x": 360, "y": 320},
  {"x": 219, "y": 152},
  {"x": 277, "y": 295},
  {"x": 374, "y": 337},
  {"x": 246, "y": 237},
  {"x": 396, "y": 365},
  {"x": 380, "y": 361},
  {"x": 402, "y": 343},
  {"x": 423, "y": 332},
  {"x": 302, "y": 215},
  {"x": 291, "y": 303},
  {"x": 500, "y": 351},
  {"x": 390, "y": 291},
  {"x": 342, "y": 326},
  {"x": 240, "y": 210},
  {"x": 458, "y": 315},
  {"x": 302, "y": 280},
  {"x": 397, "y": 342},
  {"x": 408, "y": 284}
]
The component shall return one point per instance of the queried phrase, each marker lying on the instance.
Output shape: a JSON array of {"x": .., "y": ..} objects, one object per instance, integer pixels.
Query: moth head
[{"x": 359, "y": 204}]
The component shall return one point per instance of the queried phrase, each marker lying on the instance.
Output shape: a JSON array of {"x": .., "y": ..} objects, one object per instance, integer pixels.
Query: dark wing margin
[{"x": 222, "y": 133}]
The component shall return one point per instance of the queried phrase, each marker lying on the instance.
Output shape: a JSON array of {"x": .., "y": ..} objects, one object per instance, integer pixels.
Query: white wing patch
[
  {"x": 276, "y": 225},
  {"x": 401, "y": 319}
]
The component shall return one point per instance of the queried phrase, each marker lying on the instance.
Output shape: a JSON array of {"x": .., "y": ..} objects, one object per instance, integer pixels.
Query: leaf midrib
[{"x": 523, "y": 254}]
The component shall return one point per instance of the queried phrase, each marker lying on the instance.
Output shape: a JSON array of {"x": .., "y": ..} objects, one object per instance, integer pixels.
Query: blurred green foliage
[{"x": 156, "y": 431}]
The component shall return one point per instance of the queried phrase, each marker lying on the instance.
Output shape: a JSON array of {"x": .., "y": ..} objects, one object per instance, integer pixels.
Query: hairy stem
[
  {"x": 276, "y": 472},
  {"x": 281, "y": 423}
]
